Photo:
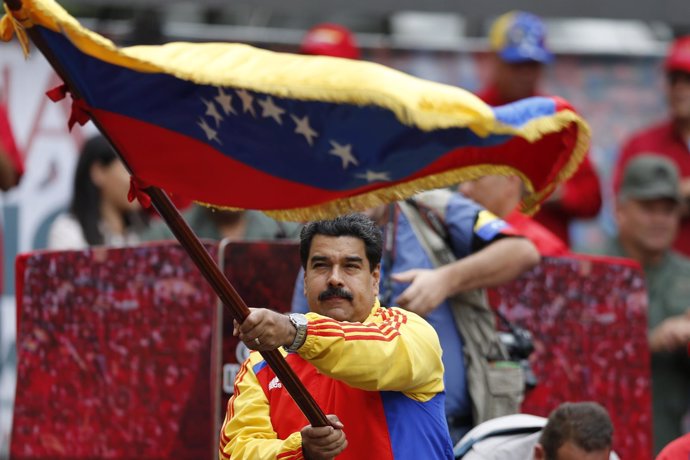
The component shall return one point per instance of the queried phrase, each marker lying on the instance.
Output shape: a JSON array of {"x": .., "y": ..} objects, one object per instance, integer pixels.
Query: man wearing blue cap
[
  {"x": 518, "y": 45},
  {"x": 519, "y": 53}
]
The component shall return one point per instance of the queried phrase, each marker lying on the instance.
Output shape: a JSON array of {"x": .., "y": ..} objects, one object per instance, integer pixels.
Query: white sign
[{"x": 50, "y": 152}]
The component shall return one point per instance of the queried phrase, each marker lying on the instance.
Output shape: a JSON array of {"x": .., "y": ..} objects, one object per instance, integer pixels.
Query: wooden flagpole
[{"x": 203, "y": 260}]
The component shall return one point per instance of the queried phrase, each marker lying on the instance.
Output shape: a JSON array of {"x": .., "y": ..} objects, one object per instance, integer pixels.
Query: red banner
[
  {"x": 113, "y": 356},
  {"x": 588, "y": 317}
]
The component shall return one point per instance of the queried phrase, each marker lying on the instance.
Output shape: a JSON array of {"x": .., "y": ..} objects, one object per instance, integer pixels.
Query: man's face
[
  {"x": 378, "y": 214},
  {"x": 678, "y": 95},
  {"x": 649, "y": 225},
  {"x": 517, "y": 80},
  {"x": 493, "y": 192},
  {"x": 113, "y": 180},
  {"x": 337, "y": 280},
  {"x": 571, "y": 451}
]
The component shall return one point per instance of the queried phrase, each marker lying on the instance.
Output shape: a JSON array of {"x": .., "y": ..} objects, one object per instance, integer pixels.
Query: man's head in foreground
[
  {"x": 576, "y": 431},
  {"x": 341, "y": 259}
]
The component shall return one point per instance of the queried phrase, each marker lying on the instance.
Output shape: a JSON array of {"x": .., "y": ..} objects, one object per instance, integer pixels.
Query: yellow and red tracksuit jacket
[{"x": 383, "y": 378}]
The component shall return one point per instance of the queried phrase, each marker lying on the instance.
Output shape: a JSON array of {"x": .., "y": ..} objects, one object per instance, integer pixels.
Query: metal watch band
[{"x": 300, "y": 322}]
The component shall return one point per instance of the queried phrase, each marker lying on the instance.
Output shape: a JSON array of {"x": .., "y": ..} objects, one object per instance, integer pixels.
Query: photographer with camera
[{"x": 440, "y": 250}]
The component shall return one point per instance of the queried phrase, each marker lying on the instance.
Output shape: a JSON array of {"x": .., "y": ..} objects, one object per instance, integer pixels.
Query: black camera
[{"x": 519, "y": 344}]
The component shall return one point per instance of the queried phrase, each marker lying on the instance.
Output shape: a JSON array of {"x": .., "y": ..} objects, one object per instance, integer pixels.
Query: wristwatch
[{"x": 300, "y": 322}]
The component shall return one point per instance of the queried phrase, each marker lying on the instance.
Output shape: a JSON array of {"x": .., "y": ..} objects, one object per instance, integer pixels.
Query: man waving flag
[{"x": 300, "y": 137}]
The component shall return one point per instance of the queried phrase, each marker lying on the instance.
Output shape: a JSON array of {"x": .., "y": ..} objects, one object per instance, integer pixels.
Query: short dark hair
[
  {"x": 586, "y": 424},
  {"x": 356, "y": 225}
]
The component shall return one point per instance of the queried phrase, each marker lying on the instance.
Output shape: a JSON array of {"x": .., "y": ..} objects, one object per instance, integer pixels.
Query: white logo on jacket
[{"x": 274, "y": 384}]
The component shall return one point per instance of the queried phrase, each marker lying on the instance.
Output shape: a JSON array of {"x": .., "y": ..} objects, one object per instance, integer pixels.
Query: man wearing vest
[
  {"x": 377, "y": 371},
  {"x": 439, "y": 277}
]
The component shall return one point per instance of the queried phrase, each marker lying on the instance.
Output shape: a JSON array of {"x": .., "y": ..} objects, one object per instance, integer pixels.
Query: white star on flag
[
  {"x": 271, "y": 110},
  {"x": 211, "y": 134},
  {"x": 247, "y": 100},
  {"x": 344, "y": 152},
  {"x": 303, "y": 128},
  {"x": 225, "y": 101},
  {"x": 372, "y": 176},
  {"x": 212, "y": 112}
]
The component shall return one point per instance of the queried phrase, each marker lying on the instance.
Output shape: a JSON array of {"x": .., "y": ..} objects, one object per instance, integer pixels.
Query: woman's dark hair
[
  {"x": 356, "y": 225},
  {"x": 86, "y": 200}
]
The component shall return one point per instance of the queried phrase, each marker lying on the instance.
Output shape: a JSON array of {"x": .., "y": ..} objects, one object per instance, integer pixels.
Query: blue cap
[{"x": 519, "y": 36}]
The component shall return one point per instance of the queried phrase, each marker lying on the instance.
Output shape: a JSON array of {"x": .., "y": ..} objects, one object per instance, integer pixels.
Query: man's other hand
[
  {"x": 325, "y": 442},
  {"x": 427, "y": 289},
  {"x": 265, "y": 329},
  {"x": 672, "y": 334}
]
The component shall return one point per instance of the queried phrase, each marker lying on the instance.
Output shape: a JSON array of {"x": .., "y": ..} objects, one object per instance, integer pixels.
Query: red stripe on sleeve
[{"x": 292, "y": 454}]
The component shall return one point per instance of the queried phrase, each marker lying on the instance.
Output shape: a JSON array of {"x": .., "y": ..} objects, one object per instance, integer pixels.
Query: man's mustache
[{"x": 336, "y": 292}]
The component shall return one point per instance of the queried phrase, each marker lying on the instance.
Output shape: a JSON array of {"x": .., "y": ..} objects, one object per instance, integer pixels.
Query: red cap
[
  {"x": 330, "y": 40},
  {"x": 679, "y": 56}
]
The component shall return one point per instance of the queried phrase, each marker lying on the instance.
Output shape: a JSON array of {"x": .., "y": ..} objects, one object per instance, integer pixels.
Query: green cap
[{"x": 649, "y": 177}]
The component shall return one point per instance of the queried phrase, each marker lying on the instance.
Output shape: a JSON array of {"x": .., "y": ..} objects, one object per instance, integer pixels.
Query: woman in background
[{"x": 100, "y": 213}]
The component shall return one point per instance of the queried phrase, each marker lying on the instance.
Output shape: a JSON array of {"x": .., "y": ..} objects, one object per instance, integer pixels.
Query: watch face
[{"x": 299, "y": 319}]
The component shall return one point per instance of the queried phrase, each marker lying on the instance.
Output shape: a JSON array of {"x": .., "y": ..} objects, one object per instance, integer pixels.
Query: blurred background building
[{"x": 588, "y": 26}]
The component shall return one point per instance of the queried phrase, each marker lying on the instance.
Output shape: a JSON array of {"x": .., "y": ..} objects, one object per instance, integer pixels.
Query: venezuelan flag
[{"x": 233, "y": 126}]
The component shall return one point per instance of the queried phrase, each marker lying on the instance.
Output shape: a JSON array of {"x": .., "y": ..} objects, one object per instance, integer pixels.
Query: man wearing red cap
[
  {"x": 670, "y": 138},
  {"x": 329, "y": 39},
  {"x": 519, "y": 54}
]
